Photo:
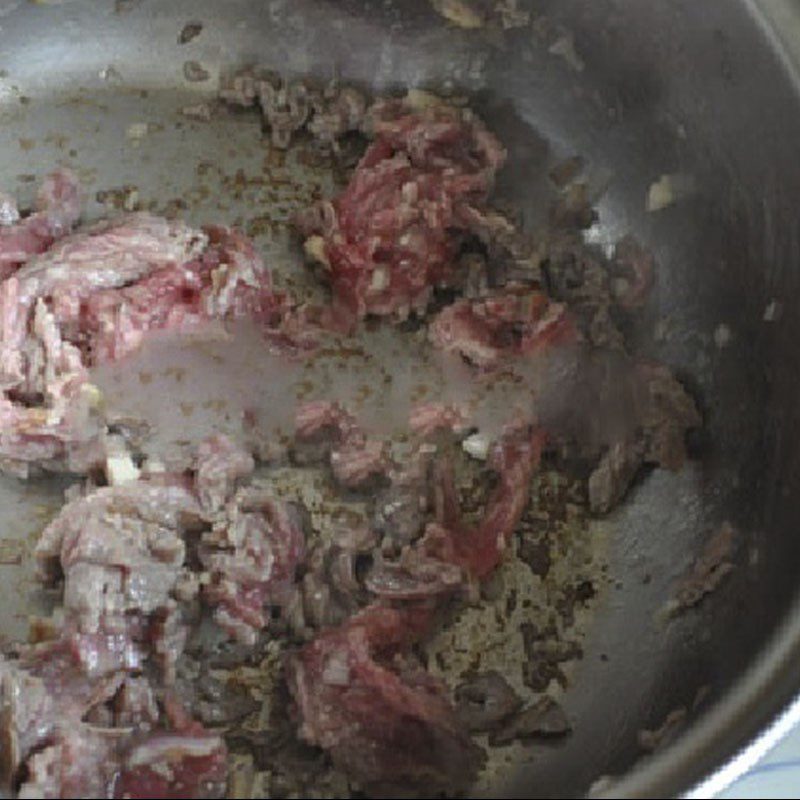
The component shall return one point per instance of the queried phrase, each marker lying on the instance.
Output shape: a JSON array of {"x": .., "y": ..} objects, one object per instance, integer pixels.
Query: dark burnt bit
[
  {"x": 195, "y": 72},
  {"x": 545, "y": 653},
  {"x": 295, "y": 768},
  {"x": 485, "y": 701},
  {"x": 564, "y": 172},
  {"x": 191, "y": 30},
  {"x": 544, "y": 720}
]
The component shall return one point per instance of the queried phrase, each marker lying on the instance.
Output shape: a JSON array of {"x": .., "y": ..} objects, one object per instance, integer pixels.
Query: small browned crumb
[
  {"x": 191, "y": 30},
  {"x": 707, "y": 572},
  {"x": 195, "y": 72}
]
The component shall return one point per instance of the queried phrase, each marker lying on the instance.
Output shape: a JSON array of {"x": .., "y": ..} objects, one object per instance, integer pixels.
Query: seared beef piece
[
  {"x": 251, "y": 554},
  {"x": 387, "y": 725},
  {"x": 80, "y": 761},
  {"x": 510, "y": 323},
  {"x": 414, "y": 576},
  {"x": 428, "y": 418},
  {"x": 610, "y": 480},
  {"x": 543, "y": 720},
  {"x": 289, "y": 107},
  {"x": 394, "y": 234},
  {"x": 58, "y": 208},
  {"x": 664, "y": 413},
  {"x": 707, "y": 572},
  {"x": 328, "y": 428},
  {"x": 46, "y": 690},
  {"x": 478, "y": 550},
  {"x": 220, "y": 464},
  {"x": 121, "y": 552},
  {"x": 635, "y": 268},
  {"x": 485, "y": 701},
  {"x": 332, "y": 589},
  {"x": 93, "y": 298}
]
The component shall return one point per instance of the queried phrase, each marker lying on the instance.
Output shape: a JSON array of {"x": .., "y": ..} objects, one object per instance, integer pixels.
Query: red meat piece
[
  {"x": 386, "y": 725},
  {"x": 392, "y": 236}
]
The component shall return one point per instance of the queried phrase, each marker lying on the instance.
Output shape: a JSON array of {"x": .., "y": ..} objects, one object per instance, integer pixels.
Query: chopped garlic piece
[
  {"x": 667, "y": 190},
  {"x": 419, "y": 99},
  {"x": 564, "y": 47},
  {"x": 722, "y": 336},
  {"x": 137, "y": 130},
  {"x": 314, "y": 248},
  {"x": 121, "y": 469},
  {"x": 380, "y": 279},
  {"x": 460, "y": 12},
  {"x": 477, "y": 446}
]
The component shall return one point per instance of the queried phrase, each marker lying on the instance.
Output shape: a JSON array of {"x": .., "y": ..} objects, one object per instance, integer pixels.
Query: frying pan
[{"x": 640, "y": 90}]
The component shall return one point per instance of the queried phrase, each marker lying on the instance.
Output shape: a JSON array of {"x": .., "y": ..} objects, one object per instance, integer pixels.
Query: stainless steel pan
[{"x": 707, "y": 90}]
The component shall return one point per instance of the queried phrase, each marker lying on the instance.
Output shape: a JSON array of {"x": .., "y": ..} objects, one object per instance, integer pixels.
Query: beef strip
[
  {"x": 331, "y": 589},
  {"x": 478, "y": 550},
  {"x": 80, "y": 761},
  {"x": 251, "y": 555},
  {"x": 58, "y": 208},
  {"x": 393, "y": 235},
  {"x": 428, "y": 418},
  {"x": 93, "y": 298},
  {"x": 485, "y": 701},
  {"x": 511, "y": 323},
  {"x": 42, "y": 692},
  {"x": 387, "y": 725},
  {"x": 354, "y": 457},
  {"x": 122, "y": 554}
]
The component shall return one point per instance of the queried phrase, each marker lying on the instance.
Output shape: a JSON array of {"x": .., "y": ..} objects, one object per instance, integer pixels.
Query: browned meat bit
[
  {"x": 285, "y": 106},
  {"x": 573, "y": 209},
  {"x": 544, "y": 720},
  {"x": 331, "y": 589},
  {"x": 484, "y": 702},
  {"x": 220, "y": 464},
  {"x": 354, "y": 457},
  {"x": 667, "y": 412},
  {"x": 289, "y": 107},
  {"x": 636, "y": 266},
  {"x": 240, "y": 88},
  {"x": 195, "y": 72},
  {"x": 385, "y": 722},
  {"x": 251, "y": 555},
  {"x": 58, "y": 208},
  {"x": 707, "y": 572},
  {"x": 428, "y": 418},
  {"x": 664, "y": 413},
  {"x": 565, "y": 172},
  {"x": 121, "y": 552},
  {"x": 191, "y": 30},
  {"x": 512, "y": 323},
  {"x": 414, "y": 576},
  {"x": 337, "y": 112},
  {"x": 610, "y": 480},
  {"x": 85, "y": 761},
  {"x": 667, "y": 732}
]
